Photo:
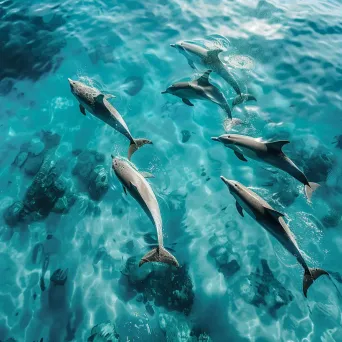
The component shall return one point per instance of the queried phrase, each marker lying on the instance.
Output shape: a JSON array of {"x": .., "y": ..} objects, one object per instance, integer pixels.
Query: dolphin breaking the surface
[
  {"x": 135, "y": 183},
  {"x": 199, "y": 89},
  {"x": 272, "y": 221},
  {"x": 210, "y": 59}
]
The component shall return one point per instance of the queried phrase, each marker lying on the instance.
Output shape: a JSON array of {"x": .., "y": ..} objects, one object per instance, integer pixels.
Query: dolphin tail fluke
[
  {"x": 310, "y": 275},
  {"x": 309, "y": 189},
  {"x": 243, "y": 98},
  {"x": 159, "y": 254},
  {"x": 135, "y": 145}
]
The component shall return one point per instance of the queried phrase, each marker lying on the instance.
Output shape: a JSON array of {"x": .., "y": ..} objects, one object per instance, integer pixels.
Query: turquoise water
[{"x": 236, "y": 282}]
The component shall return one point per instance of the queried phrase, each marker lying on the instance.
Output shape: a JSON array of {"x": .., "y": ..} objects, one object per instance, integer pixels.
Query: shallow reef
[
  {"x": 262, "y": 289},
  {"x": 160, "y": 285},
  {"x": 92, "y": 173},
  {"x": 52, "y": 190},
  {"x": 31, "y": 47}
]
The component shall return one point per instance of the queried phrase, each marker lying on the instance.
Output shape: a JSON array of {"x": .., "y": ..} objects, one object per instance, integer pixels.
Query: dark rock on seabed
[
  {"x": 267, "y": 290},
  {"x": 162, "y": 285},
  {"x": 30, "y": 44},
  {"x": 92, "y": 173}
]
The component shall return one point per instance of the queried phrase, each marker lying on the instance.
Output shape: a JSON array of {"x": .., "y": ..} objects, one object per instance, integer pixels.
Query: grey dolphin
[
  {"x": 272, "y": 221},
  {"x": 210, "y": 59},
  {"x": 135, "y": 183},
  {"x": 96, "y": 103},
  {"x": 199, "y": 89},
  {"x": 268, "y": 152}
]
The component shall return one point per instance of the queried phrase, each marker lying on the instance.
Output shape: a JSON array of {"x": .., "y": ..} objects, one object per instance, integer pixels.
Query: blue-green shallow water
[{"x": 237, "y": 283}]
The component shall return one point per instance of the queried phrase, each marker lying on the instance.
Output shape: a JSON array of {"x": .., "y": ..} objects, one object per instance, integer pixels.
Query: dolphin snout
[
  {"x": 164, "y": 92},
  {"x": 226, "y": 181},
  {"x": 215, "y": 139},
  {"x": 71, "y": 83},
  {"x": 173, "y": 45}
]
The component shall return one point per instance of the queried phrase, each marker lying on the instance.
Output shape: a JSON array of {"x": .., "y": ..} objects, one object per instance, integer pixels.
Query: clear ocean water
[{"x": 71, "y": 240}]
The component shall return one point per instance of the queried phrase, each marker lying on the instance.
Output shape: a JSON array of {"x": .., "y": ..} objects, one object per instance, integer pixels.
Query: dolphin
[
  {"x": 96, "y": 103},
  {"x": 135, "y": 183},
  {"x": 267, "y": 152},
  {"x": 199, "y": 89},
  {"x": 210, "y": 59},
  {"x": 273, "y": 222}
]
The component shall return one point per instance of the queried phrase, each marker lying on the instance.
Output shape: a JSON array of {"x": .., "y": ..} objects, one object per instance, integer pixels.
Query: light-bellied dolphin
[
  {"x": 273, "y": 222},
  {"x": 210, "y": 59},
  {"x": 96, "y": 103},
  {"x": 199, "y": 89},
  {"x": 135, "y": 183},
  {"x": 268, "y": 152}
]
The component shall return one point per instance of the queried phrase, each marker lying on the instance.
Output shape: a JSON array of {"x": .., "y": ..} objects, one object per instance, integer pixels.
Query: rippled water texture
[{"x": 70, "y": 239}]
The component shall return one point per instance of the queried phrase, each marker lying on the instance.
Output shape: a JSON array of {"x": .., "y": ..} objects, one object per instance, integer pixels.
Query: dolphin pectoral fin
[
  {"x": 146, "y": 174},
  {"x": 192, "y": 65},
  {"x": 187, "y": 102},
  {"x": 125, "y": 190},
  {"x": 99, "y": 98},
  {"x": 159, "y": 254},
  {"x": 204, "y": 79},
  {"x": 240, "y": 156},
  {"x": 310, "y": 275},
  {"x": 239, "y": 209},
  {"x": 82, "y": 110},
  {"x": 277, "y": 145},
  {"x": 309, "y": 189},
  {"x": 274, "y": 213}
]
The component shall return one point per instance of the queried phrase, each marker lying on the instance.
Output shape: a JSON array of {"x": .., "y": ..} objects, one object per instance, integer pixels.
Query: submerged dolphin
[
  {"x": 210, "y": 59},
  {"x": 95, "y": 102},
  {"x": 134, "y": 182},
  {"x": 199, "y": 89},
  {"x": 274, "y": 223},
  {"x": 268, "y": 152}
]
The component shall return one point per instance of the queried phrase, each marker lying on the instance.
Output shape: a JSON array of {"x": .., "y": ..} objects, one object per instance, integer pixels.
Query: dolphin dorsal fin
[
  {"x": 204, "y": 79},
  {"x": 99, "y": 98},
  {"x": 276, "y": 214},
  {"x": 214, "y": 53},
  {"x": 277, "y": 145}
]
